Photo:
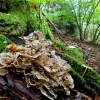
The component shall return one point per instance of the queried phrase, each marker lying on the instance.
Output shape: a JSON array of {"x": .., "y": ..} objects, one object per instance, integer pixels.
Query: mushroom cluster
[{"x": 40, "y": 66}]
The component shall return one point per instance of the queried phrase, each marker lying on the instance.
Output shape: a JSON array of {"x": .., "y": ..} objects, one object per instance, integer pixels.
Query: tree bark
[{"x": 95, "y": 36}]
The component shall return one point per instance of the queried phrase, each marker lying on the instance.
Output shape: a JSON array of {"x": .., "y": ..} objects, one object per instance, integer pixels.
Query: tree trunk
[
  {"x": 95, "y": 36},
  {"x": 81, "y": 33}
]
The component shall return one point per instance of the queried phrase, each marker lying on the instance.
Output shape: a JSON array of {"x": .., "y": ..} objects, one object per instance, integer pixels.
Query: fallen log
[{"x": 84, "y": 76}]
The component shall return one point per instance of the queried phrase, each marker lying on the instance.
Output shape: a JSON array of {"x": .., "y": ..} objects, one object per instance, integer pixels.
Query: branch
[{"x": 54, "y": 27}]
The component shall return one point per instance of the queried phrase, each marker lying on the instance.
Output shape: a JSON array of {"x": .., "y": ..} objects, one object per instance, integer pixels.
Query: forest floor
[{"x": 91, "y": 52}]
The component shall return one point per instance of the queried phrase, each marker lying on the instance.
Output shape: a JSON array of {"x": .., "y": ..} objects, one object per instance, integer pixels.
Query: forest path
[{"x": 91, "y": 51}]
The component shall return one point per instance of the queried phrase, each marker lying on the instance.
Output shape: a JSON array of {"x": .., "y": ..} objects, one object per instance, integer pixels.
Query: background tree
[{"x": 82, "y": 13}]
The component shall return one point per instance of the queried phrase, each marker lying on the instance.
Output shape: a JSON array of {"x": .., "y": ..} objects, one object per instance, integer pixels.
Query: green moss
[
  {"x": 13, "y": 24},
  {"x": 77, "y": 76},
  {"x": 74, "y": 52},
  {"x": 78, "y": 68},
  {"x": 60, "y": 45},
  {"x": 10, "y": 19},
  {"x": 34, "y": 17},
  {"x": 4, "y": 41},
  {"x": 75, "y": 64},
  {"x": 22, "y": 19},
  {"x": 46, "y": 31},
  {"x": 40, "y": 23},
  {"x": 93, "y": 77}
]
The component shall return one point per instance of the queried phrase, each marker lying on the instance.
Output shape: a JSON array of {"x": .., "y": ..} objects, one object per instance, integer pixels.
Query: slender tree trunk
[
  {"x": 78, "y": 21},
  {"x": 81, "y": 34},
  {"x": 86, "y": 10},
  {"x": 95, "y": 37},
  {"x": 90, "y": 16}
]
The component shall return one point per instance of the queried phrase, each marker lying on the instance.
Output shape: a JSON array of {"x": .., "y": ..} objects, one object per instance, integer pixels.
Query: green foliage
[
  {"x": 83, "y": 13},
  {"x": 38, "y": 1},
  {"x": 4, "y": 41}
]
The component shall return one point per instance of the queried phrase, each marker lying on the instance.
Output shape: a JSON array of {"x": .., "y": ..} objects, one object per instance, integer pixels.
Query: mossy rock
[{"x": 11, "y": 24}]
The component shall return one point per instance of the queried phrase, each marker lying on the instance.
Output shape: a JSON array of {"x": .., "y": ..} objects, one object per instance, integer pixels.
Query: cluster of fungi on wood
[{"x": 39, "y": 65}]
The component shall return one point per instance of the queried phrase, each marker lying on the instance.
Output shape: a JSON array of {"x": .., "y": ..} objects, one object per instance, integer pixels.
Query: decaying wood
[
  {"x": 21, "y": 87},
  {"x": 80, "y": 95},
  {"x": 17, "y": 88}
]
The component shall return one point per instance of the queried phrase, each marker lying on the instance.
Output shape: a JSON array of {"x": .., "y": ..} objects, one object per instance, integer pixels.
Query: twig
[
  {"x": 85, "y": 96},
  {"x": 86, "y": 67}
]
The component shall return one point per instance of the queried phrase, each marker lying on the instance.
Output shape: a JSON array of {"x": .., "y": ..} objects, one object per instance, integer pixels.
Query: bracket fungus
[{"x": 41, "y": 67}]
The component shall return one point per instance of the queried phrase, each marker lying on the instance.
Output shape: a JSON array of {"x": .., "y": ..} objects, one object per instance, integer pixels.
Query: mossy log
[
  {"x": 91, "y": 79},
  {"x": 84, "y": 76}
]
